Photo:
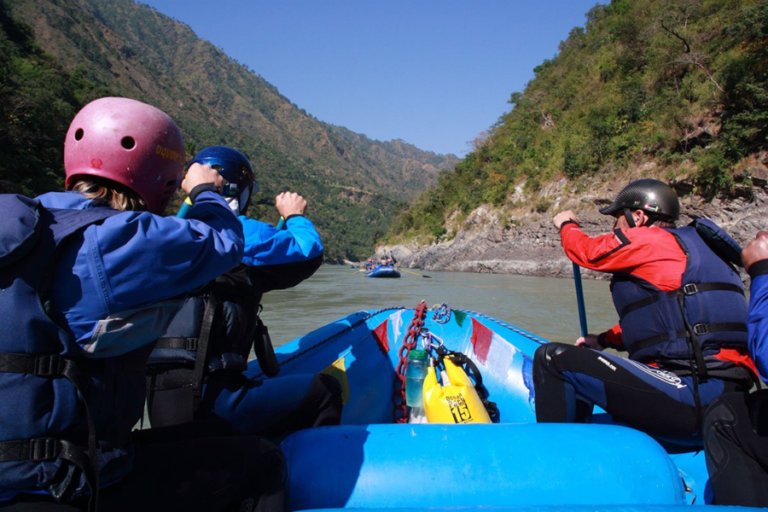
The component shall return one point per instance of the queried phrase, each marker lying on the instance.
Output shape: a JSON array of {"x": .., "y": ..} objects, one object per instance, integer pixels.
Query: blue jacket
[
  {"x": 137, "y": 259},
  {"x": 112, "y": 293},
  {"x": 266, "y": 245},
  {"x": 757, "y": 325}
]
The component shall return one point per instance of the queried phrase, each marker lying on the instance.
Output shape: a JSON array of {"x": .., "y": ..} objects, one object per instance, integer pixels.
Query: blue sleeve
[
  {"x": 142, "y": 258},
  {"x": 267, "y": 245},
  {"x": 757, "y": 324}
]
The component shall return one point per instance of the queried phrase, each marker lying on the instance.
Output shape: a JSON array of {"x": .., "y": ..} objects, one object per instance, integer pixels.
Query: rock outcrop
[{"x": 505, "y": 242}]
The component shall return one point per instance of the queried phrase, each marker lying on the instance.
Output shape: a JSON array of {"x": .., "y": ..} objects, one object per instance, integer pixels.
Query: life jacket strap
[
  {"x": 190, "y": 344},
  {"x": 687, "y": 290},
  {"x": 40, "y": 449},
  {"x": 41, "y": 365},
  {"x": 698, "y": 329},
  {"x": 735, "y": 373},
  {"x": 56, "y": 365},
  {"x": 201, "y": 359}
]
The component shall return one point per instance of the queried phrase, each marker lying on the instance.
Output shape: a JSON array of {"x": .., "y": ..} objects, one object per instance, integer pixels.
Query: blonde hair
[{"x": 109, "y": 193}]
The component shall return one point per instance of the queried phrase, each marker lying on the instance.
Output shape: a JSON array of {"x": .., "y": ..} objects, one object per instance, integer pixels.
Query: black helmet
[{"x": 652, "y": 196}]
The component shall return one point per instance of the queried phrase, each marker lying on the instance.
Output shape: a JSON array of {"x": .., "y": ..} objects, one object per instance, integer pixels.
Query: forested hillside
[
  {"x": 56, "y": 55},
  {"x": 678, "y": 87}
]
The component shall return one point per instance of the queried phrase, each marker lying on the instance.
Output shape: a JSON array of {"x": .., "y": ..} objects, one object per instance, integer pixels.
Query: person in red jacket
[{"x": 682, "y": 317}]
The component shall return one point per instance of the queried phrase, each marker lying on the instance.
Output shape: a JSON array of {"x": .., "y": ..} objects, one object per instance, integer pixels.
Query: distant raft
[{"x": 383, "y": 271}]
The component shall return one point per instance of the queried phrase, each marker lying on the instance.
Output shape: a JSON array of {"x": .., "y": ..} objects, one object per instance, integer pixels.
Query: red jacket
[{"x": 650, "y": 253}]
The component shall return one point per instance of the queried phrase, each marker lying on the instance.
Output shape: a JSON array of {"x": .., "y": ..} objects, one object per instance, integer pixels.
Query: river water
[{"x": 541, "y": 305}]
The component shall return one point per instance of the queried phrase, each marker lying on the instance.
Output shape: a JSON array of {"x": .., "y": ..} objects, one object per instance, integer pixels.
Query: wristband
[
  {"x": 758, "y": 268},
  {"x": 602, "y": 340},
  {"x": 199, "y": 189},
  {"x": 569, "y": 221}
]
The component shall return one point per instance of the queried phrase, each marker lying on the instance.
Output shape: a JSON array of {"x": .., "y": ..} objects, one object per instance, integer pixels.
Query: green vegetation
[
  {"x": 118, "y": 47},
  {"x": 37, "y": 102},
  {"x": 683, "y": 83}
]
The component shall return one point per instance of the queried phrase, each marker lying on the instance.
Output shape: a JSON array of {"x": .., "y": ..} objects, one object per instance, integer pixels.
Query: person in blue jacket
[
  {"x": 90, "y": 279},
  {"x": 736, "y": 424},
  {"x": 200, "y": 370}
]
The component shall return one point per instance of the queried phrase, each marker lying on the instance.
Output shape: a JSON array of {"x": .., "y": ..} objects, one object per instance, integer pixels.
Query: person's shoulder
[
  {"x": 253, "y": 224},
  {"x": 65, "y": 200},
  {"x": 646, "y": 235},
  {"x": 649, "y": 232}
]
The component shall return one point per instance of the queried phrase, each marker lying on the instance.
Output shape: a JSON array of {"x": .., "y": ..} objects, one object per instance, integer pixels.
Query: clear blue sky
[{"x": 435, "y": 73}]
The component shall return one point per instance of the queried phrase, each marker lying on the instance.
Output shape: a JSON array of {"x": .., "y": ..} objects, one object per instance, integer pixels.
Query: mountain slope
[
  {"x": 672, "y": 90},
  {"x": 353, "y": 183}
]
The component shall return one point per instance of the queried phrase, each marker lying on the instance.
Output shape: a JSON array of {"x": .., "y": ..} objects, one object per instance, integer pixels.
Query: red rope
[{"x": 400, "y": 412}]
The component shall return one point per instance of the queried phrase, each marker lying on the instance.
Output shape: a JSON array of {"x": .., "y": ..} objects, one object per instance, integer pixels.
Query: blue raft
[
  {"x": 383, "y": 271},
  {"x": 371, "y": 462}
]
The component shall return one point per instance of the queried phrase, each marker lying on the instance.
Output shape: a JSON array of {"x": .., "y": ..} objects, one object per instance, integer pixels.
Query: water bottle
[{"x": 414, "y": 378}]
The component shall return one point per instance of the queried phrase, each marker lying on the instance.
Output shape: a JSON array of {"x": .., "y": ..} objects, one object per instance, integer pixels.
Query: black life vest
[{"x": 210, "y": 337}]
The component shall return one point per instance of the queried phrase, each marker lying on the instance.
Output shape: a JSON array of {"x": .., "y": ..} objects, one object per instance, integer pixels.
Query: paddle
[
  {"x": 184, "y": 208},
  {"x": 414, "y": 273},
  {"x": 580, "y": 299}
]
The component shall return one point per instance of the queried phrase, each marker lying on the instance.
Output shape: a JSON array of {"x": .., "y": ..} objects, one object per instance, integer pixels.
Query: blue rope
[{"x": 442, "y": 313}]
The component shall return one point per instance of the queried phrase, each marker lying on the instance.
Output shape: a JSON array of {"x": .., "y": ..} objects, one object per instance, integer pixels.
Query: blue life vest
[
  {"x": 707, "y": 313},
  {"x": 54, "y": 402}
]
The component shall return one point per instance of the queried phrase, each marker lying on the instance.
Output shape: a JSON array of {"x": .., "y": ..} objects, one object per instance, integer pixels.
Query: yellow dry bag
[{"x": 457, "y": 402}]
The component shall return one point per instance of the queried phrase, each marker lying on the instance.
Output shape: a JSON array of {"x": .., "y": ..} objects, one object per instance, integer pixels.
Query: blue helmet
[{"x": 236, "y": 170}]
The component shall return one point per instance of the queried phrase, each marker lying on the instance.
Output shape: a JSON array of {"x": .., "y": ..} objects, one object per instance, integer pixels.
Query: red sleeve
[
  {"x": 614, "y": 338},
  {"x": 649, "y": 253}
]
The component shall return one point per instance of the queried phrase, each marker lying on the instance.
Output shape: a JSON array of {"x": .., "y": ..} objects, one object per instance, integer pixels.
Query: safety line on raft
[
  {"x": 334, "y": 335},
  {"x": 508, "y": 326}
]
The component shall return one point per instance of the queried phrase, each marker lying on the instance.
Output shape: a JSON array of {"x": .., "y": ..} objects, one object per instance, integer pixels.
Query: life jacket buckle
[
  {"x": 191, "y": 344},
  {"x": 43, "y": 448},
  {"x": 690, "y": 289},
  {"x": 49, "y": 365},
  {"x": 700, "y": 329}
]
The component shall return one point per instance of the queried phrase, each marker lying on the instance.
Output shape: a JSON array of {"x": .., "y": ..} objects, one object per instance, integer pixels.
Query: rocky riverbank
[{"x": 508, "y": 242}]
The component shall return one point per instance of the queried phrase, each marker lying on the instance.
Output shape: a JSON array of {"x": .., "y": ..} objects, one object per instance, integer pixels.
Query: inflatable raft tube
[{"x": 414, "y": 467}]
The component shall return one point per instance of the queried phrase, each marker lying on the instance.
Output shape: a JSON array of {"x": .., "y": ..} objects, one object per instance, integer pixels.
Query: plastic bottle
[{"x": 414, "y": 378}]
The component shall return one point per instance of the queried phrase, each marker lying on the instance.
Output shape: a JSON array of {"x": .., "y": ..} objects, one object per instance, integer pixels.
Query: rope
[
  {"x": 441, "y": 313},
  {"x": 400, "y": 413},
  {"x": 511, "y": 327}
]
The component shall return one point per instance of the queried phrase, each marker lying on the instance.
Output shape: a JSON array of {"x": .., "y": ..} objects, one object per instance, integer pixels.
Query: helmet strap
[
  {"x": 234, "y": 204},
  {"x": 629, "y": 217},
  {"x": 245, "y": 200}
]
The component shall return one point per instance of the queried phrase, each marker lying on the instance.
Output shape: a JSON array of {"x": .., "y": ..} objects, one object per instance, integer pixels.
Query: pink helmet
[{"x": 130, "y": 142}]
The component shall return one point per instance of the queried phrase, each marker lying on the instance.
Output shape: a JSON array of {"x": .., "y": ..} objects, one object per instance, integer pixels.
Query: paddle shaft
[
  {"x": 580, "y": 300},
  {"x": 184, "y": 208},
  {"x": 415, "y": 273}
]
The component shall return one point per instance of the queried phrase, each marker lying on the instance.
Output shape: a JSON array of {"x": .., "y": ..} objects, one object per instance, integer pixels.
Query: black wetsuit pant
[
  {"x": 271, "y": 407},
  {"x": 570, "y": 380},
  {"x": 187, "y": 469},
  {"x": 736, "y": 445}
]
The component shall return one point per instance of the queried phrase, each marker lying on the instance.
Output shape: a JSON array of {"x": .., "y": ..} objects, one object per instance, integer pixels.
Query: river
[{"x": 544, "y": 306}]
